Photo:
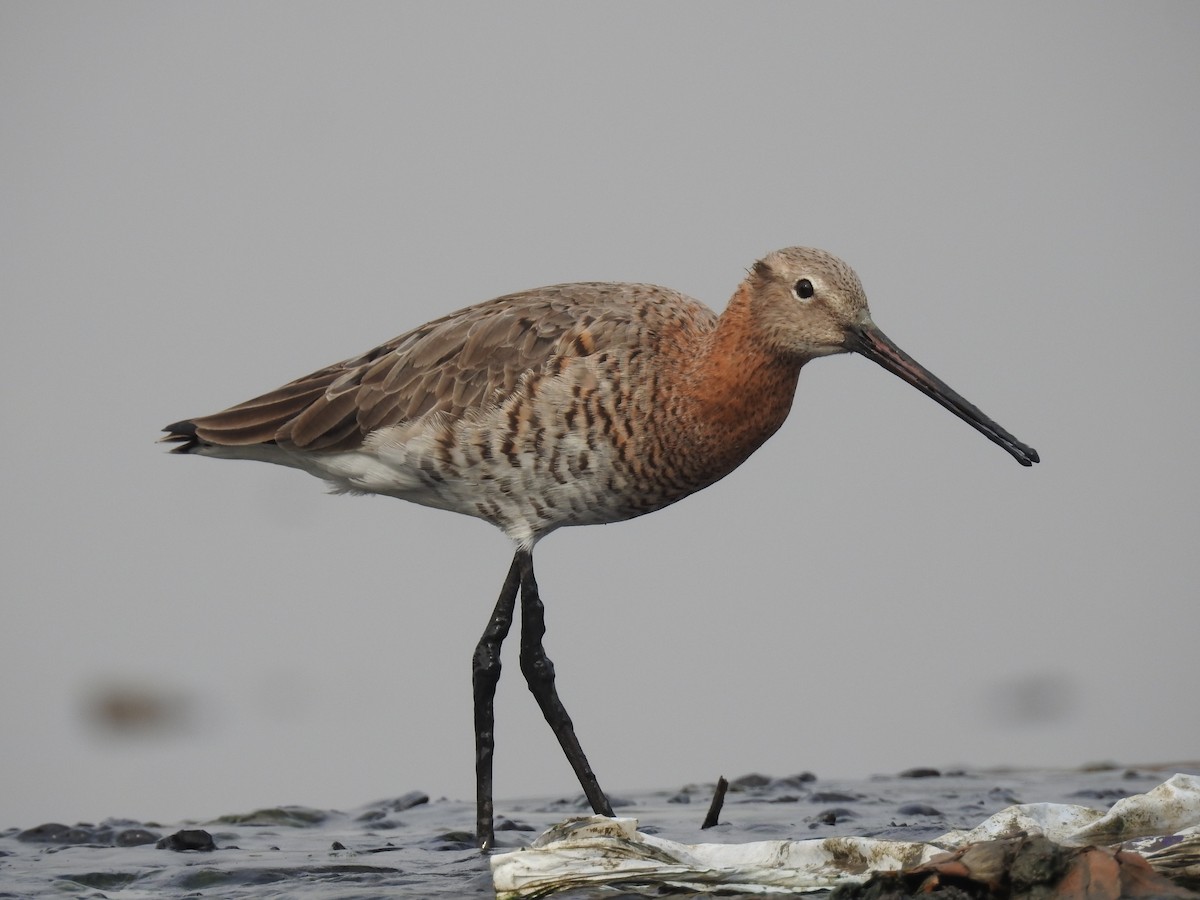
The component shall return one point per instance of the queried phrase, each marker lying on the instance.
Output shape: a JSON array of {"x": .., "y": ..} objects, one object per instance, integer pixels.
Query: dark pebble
[
  {"x": 406, "y": 801},
  {"x": 503, "y": 824},
  {"x": 681, "y": 797},
  {"x": 385, "y": 825},
  {"x": 920, "y": 772},
  {"x": 1101, "y": 793},
  {"x": 56, "y": 833},
  {"x": 792, "y": 782},
  {"x": 753, "y": 780},
  {"x": 833, "y": 816},
  {"x": 337, "y": 845},
  {"x": 188, "y": 839},
  {"x": 135, "y": 837},
  {"x": 834, "y": 797},
  {"x": 918, "y": 809},
  {"x": 454, "y": 840},
  {"x": 291, "y": 816}
]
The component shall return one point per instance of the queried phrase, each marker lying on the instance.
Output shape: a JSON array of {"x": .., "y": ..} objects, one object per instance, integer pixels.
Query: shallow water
[{"x": 414, "y": 847}]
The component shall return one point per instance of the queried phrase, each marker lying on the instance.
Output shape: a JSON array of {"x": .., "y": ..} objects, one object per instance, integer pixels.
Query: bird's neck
[{"x": 740, "y": 389}]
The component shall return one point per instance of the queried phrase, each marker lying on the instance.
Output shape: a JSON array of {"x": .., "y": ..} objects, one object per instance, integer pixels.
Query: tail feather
[
  {"x": 181, "y": 433},
  {"x": 270, "y": 418}
]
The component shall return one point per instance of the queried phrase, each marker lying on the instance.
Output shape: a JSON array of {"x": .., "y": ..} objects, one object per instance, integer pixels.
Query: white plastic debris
[
  {"x": 1167, "y": 809},
  {"x": 596, "y": 851}
]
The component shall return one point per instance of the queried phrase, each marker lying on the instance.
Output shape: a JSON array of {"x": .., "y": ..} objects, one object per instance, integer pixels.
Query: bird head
[{"x": 807, "y": 303}]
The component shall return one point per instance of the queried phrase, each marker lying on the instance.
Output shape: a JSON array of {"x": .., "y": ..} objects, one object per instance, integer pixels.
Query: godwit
[{"x": 575, "y": 404}]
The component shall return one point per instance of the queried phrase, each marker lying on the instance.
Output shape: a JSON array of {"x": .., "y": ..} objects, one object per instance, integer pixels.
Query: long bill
[{"x": 878, "y": 347}]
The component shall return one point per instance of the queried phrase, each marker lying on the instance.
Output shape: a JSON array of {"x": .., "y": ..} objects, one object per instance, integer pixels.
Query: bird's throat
[{"x": 739, "y": 391}]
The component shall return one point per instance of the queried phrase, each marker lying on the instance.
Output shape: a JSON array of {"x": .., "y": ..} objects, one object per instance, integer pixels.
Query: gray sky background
[{"x": 202, "y": 201}]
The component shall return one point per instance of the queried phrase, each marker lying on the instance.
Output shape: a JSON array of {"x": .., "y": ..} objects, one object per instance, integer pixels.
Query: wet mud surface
[{"x": 412, "y": 846}]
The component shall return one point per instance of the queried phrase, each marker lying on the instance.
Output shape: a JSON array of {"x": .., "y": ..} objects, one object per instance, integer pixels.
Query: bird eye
[{"x": 803, "y": 289}]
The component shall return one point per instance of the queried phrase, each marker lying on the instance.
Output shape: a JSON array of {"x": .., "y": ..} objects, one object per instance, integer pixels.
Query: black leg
[
  {"x": 539, "y": 672},
  {"x": 485, "y": 673}
]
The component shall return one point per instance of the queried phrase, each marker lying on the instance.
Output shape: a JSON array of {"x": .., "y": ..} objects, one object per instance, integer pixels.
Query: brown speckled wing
[{"x": 469, "y": 359}]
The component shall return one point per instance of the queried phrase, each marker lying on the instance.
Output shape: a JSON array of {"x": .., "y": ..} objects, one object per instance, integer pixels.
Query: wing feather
[{"x": 465, "y": 360}]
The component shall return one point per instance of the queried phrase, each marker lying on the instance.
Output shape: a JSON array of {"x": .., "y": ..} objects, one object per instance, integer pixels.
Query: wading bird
[{"x": 576, "y": 404}]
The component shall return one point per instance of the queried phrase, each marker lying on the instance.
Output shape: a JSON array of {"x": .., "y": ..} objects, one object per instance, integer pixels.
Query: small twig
[{"x": 718, "y": 800}]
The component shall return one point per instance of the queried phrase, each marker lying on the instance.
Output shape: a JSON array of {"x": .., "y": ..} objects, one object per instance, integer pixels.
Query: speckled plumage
[{"x": 573, "y": 404}]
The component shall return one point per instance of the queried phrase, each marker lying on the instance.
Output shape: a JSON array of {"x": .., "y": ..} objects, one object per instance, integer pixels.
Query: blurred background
[{"x": 200, "y": 202}]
